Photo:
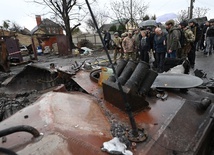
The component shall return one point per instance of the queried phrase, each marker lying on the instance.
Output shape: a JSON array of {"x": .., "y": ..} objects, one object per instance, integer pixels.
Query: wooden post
[{"x": 34, "y": 49}]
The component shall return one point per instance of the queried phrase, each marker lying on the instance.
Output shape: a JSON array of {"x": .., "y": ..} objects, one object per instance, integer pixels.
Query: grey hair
[{"x": 158, "y": 29}]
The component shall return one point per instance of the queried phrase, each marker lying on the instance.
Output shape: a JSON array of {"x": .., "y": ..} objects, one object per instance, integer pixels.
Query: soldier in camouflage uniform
[
  {"x": 129, "y": 47},
  {"x": 187, "y": 38},
  {"x": 137, "y": 37},
  {"x": 117, "y": 45}
]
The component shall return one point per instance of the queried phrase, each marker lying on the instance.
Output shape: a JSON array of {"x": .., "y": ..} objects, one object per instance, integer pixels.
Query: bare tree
[
  {"x": 126, "y": 9},
  {"x": 197, "y": 12},
  {"x": 101, "y": 18},
  {"x": 200, "y": 12},
  {"x": 6, "y": 24},
  {"x": 183, "y": 15},
  {"x": 15, "y": 27},
  {"x": 66, "y": 11}
]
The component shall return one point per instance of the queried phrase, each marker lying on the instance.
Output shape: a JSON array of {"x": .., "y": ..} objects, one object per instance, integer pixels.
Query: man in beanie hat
[
  {"x": 171, "y": 21},
  {"x": 173, "y": 36},
  {"x": 187, "y": 37}
]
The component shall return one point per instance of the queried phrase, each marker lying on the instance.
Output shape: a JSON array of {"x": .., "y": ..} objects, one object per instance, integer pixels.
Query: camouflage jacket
[
  {"x": 189, "y": 36},
  {"x": 117, "y": 42},
  {"x": 128, "y": 44}
]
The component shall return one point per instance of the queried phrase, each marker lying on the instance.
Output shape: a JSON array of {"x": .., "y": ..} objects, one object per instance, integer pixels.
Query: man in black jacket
[
  {"x": 197, "y": 33},
  {"x": 210, "y": 38},
  {"x": 107, "y": 38}
]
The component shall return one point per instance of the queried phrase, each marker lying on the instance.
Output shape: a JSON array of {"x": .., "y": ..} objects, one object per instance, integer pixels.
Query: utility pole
[
  {"x": 191, "y": 8},
  {"x": 131, "y": 13}
]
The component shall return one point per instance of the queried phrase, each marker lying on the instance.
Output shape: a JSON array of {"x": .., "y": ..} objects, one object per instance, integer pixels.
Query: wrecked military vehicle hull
[{"x": 79, "y": 122}]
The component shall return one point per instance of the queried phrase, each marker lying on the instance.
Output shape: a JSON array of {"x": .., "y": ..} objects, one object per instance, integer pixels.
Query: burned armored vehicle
[{"x": 83, "y": 111}]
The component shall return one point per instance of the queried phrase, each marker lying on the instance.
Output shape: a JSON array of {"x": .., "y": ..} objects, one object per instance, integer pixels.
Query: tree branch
[{"x": 75, "y": 26}]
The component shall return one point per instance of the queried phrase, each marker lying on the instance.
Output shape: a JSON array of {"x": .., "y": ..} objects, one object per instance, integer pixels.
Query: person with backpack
[
  {"x": 186, "y": 39},
  {"x": 210, "y": 38},
  {"x": 173, "y": 36}
]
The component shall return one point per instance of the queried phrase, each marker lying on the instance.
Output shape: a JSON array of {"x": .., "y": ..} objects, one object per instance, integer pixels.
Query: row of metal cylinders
[{"x": 135, "y": 75}]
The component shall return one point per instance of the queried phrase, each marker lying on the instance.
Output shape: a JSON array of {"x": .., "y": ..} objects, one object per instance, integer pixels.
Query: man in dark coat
[
  {"x": 159, "y": 47},
  {"x": 197, "y": 33},
  {"x": 144, "y": 46},
  {"x": 107, "y": 39},
  {"x": 210, "y": 38},
  {"x": 173, "y": 36}
]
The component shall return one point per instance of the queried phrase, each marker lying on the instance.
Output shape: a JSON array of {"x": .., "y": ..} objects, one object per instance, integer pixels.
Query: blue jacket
[{"x": 158, "y": 45}]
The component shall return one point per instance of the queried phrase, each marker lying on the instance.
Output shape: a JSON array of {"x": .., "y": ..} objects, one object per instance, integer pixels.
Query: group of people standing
[{"x": 177, "y": 42}]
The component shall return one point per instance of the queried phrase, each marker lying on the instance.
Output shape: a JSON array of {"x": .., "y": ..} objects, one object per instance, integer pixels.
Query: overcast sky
[{"x": 23, "y": 12}]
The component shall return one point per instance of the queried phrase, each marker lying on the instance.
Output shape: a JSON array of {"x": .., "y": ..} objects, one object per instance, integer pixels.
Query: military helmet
[
  {"x": 123, "y": 34},
  {"x": 193, "y": 21},
  {"x": 116, "y": 33},
  {"x": 183, "y": 23}
]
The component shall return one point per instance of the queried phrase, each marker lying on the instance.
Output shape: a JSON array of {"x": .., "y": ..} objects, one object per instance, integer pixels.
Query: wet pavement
[{"x": 204, "y": 63}]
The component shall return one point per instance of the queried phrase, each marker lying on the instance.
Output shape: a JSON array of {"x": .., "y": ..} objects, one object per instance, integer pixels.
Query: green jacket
[{"x": 173, "y": 37}]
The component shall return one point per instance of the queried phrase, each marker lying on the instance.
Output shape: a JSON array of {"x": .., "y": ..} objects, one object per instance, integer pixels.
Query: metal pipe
[
  {"x": 20, "y": 128},
  {"x": 127, "y": 72},
  {"x": 119, "y": 68},
  {"x": 147, "y": 83},
  {"x": 138, "y": 75},
  {"x": 127, "y": 105}
]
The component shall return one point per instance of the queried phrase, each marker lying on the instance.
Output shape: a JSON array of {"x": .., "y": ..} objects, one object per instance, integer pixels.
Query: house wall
[
  {"x": 49, "y": 42},
  {"x": 24, "y": 39}
]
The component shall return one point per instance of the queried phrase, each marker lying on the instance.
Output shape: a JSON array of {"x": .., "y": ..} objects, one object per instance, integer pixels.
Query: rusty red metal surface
[
  {"x": 164, "y": 122},
  {"x": 67, "y": 121}
]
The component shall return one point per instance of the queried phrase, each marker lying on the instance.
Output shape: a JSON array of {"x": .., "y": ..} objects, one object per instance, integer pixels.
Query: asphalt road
[{"x": 205, "y": 63}]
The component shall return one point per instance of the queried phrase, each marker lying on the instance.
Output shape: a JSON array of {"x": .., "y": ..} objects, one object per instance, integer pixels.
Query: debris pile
[{"x": 10, "y": 105}]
